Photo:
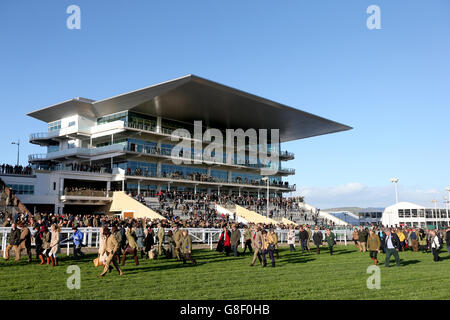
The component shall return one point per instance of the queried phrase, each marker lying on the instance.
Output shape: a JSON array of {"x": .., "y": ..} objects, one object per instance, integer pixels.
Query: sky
[{"x": 392, "y": 85}]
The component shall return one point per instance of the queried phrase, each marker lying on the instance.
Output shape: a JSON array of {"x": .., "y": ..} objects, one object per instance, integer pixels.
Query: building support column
[
  {"x": 139, "y": 187},
  {"x": 123, "y": 185},
  {"x": 158, "y": 124},
  {"x": 229, "y": 176},
  {"x": 158, "y": 169}
]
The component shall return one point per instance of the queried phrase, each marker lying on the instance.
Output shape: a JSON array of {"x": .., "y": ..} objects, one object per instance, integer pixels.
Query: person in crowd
[
  {"x": 140, "y": 235},
  {"x": 54, "y": 244},
  {"x": 257, "y": 245},
  {"x": 13, "y": 242},
  {"x": 303, "y": 236},
  {"x": 447, "y": 239},
  {"x": 149, "y": 241},
  {"x": 171, "y": 246},
  {"x": 38, "y": 243},
  {"x": 110, "y": 249},
  {"x": 362, "y": 239},
  {"x": 131, "y": 247},
  {"x": 373, "y": 246},
  {"x": 291, "y": 238},
  {"x": 247, "y": 239},
  {"x": 102, "y": 256},
  {"x": 160, "y": 234},
  {"x": 186, "y": 247},
  {"x": 77, "y": 242},
  {"x": 414, "y": 239},
  {"x": 24, "y": 241},
  {"x": 317, "y": 238},
  {"x": 392, "y": 245},
  {"x": 268, "y": 247},
  {"x": 402, "y": 238},
  {"x": 235, "y": 240},
  {"x": 177, "y": 238},
  {"x": 382, "y": 236},
  {"x": 275, "y": 239},
  {"x": 423, "y": 241},
  {"x": 224, "y": 244},
  {"x": 117, "y": 233},
  {"x": 435, "y": 246},
  {"x": 330, "y": 239},
  {"x": 45, "y": 236},
  {"x": 355, "y": 237},
  {"x": 308, "y": 230}
]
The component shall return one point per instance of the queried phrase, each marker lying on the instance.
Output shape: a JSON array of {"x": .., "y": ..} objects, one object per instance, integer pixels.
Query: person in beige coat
[
  {"x": 110, "y": 249},
  {"x": 257, "y": 242},
  {"x": 54, "y": 244},
  {"x": 102, "y": 256}
]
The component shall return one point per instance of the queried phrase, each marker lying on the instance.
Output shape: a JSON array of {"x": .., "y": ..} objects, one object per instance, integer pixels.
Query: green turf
[{"x": 296, "y": 276}]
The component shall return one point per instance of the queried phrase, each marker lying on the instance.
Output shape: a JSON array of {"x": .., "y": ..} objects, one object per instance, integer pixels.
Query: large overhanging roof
[{"x": 193, "y": 98}]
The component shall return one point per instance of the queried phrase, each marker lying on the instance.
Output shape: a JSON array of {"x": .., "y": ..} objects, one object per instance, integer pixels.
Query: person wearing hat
[
  {"x": 24, "y": 241},
  {"x": 160, "y": 235},
  {"x": 111, "y": 247},
  {"x": 54, "y": 244},
  {"x": 131, "y": 247},
  {"x": 257, "y": 244},
  {"x": 373, "y": 246},
  {"x": 235, "y": 239},
  {"x": 186, "y": 247},
  {"x": 177, "y": 239}
]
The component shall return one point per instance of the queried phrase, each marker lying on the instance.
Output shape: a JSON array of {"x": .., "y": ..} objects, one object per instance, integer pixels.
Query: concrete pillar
[
  {"x": 139, "y": 187},
  {"x": 108, "y": 185},
  {"x": 229, "y": 175},
  {"x": 158, "y": 124},
  {"x": 258, "y": 195},
  {"x": 123, "y": 185},
  {"x": 61, "y": 186},
  {"x": 195, "y": 189}
]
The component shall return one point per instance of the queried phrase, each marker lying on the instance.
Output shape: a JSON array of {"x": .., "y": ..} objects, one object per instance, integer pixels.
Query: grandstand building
[
  {"x": 413, "y": 215},
  {"x": 123, "y": 143}
]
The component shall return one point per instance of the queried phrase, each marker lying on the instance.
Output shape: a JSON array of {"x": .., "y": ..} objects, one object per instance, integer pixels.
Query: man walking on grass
[{"x": 392, "y": 245}]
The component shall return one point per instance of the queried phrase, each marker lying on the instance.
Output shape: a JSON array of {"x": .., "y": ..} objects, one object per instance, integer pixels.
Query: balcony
[
  {"x": 78, "y": 153},
  {"x": 285, "y": 155}
]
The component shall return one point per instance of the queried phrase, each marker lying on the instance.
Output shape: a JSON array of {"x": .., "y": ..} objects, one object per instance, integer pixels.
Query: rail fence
[{"x": 209, "y": 236}]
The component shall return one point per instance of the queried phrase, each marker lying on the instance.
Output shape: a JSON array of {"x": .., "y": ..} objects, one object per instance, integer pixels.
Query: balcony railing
[
  {"x": 89, "y": 152},
  {"x": 88, "y": 193},
  {"x": 173, "y": 176}
]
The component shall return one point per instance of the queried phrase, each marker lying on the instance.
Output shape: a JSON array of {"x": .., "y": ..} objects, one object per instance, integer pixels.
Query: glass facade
[{"x": 22, "y": 188}]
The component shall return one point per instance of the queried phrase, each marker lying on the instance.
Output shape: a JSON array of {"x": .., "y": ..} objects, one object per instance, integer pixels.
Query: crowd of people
[
  {"x": 393, "y": 240},
  {"x": 120, "y": 238},
  {"x": 17, "y": 169}
]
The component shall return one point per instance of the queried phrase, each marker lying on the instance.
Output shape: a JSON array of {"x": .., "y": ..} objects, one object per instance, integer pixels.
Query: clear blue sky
[{"x": 392, "y": 85}]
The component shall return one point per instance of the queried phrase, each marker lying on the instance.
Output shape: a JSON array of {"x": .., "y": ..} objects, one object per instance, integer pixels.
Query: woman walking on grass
[
  {"x": 54, "y": 244},
  {"x": 291, "y": 238}
]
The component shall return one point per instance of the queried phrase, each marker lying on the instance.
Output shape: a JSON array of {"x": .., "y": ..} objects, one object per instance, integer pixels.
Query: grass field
[{"x": 296, "y": 276}]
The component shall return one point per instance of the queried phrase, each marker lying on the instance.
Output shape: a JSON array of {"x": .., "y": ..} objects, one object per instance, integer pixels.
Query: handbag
[
  {"x": 97, "y": 262},
  {"x": 271, "y": 247}
]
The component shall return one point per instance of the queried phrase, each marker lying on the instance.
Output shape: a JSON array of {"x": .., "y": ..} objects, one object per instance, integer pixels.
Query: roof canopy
[{"x": 193, "y": 98}]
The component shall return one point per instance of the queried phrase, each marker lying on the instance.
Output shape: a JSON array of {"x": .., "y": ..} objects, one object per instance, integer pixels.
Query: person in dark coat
[
  {"x": 318, "y": 239},
  {"x": 392, "y": 245},
  {"x": 235, "y": 240},
  {"x": 303, "y": 235},
  {"x": 148, "y": 242}
]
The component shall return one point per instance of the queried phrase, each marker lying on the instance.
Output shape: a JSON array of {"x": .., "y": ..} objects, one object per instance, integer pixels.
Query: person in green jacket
[
  {"x": 186, "y": 247},
  {"x": 330, "y": 238},
  {"x": 373, "y": 245}
]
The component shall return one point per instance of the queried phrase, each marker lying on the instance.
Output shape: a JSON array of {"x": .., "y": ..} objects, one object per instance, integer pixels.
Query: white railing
[{"x": 91, "y": 236}]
